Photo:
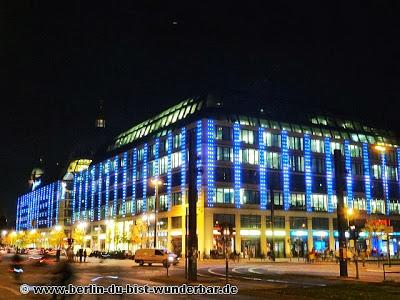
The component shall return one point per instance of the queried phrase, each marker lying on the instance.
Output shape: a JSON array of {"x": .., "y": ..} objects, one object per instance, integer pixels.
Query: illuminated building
[{"x": 241, "y": 159}]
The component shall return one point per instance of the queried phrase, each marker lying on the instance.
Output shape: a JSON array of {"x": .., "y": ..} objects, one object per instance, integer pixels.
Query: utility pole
[
  {"x": 341, "y": 216},
  {"x": 192, "y": 236}
]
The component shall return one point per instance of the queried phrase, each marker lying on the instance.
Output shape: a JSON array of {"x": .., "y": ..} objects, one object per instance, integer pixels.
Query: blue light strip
[
  {"x": 169, "y": 171},
  {"x": 57, "y": 198},
  {"x": 329, "y": 173},
  {"x": 17, "y": 220},
  {"x": 385, "y": 183},
  {"x": 307, "y": 169},
  {"x": 107, "y": 206},
  {"x": 80, "y": 178},
  {"x": 93, "y": 179},
  {"x": 86, "y": 193},
  {"x": 144, "y": 207},
  {"x": 349, "y": 177},
  {"x": 398, "y": 167},
  {"x": 367, "y": 177},
  {"x": 124, "y": 182},
  {"x": 236, "y": 163},
  {"x": 74, "y": 197},
  {"x": 183, "y": 166},
  {"x": 285, "y": 171},
  {"x": 210, "y": 162},
  {"x": 115, "y": 200},
  {"x": 134, "y": 174},
  {"x": 100, "y": 186},
  {"x": 37, "y": 207},
  {"x": 263, "y": 167},
  {"x": 198, "y": 161},
  {"x": 48, "y": 205}
]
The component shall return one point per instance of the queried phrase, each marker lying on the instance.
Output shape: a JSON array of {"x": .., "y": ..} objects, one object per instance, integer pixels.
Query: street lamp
[
  {"x": 156, "y": 182},
  {"x": 226, "y": 234}
]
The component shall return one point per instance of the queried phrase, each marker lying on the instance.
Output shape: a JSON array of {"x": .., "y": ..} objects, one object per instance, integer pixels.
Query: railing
[{"x": 385, "y": 271}]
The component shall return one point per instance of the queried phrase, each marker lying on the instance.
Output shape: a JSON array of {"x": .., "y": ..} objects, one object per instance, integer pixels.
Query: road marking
[
  {"x": 99, "y": 277},
  {"x": 235, "y": 270},
  {"x": 253, "y": 270}
]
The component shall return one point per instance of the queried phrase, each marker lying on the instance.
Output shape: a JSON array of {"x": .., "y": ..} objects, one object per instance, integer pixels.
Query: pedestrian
[
  {"x": 80, "y": 254},
  {"x": 84, "y": 255}
]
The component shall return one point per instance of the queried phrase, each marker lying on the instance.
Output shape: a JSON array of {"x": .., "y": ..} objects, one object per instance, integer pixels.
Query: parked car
[{"x": 151, "y": 256}]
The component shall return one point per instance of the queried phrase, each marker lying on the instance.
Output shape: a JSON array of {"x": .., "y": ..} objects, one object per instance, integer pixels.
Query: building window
[
  {"x": 357, "y": 168},
  {"x": 163, "y": 161},
  {"x": 249, "y": 197},
  {"x": 177, "y": 139},
  {"x": 176, "y": 222},
  {"x": 296, "y": 163},
  {"x": 249, "y": 156},
  {"x": 272, "y": 140},
  {"x": 163, "y": 202},
  {"x": 320, "y": 223},
  {"x": 250, "y": 221},
  {"x": 298, "y": 200},
  {"x": 355, "y": 151},
  {"x": 279, "y": 222},
  {"x": 140, "y": 154},
  {"x": 247, "y": 136},
  {"x": 176, "y": 198},
  {"x": 278, "y": 199},
  {"x": 224, "y": 219},
  {"x": 319, "y": 202},
  {"x": 298, "y": 223},
  {"x": 317, "y": 146},
  {"x": 225, "y": 153},
  {"x": 318, "y": 165},
  {"x": 295, "y": 143},
  {"x": 176, "y": 159},
  {"x": 163, "y": 223},
  {"x": 223, "y": 133},
  {"x": 273, "y": 160},
  {"x": 224, "y": 195},
  {"x": 378, "y": 206}
]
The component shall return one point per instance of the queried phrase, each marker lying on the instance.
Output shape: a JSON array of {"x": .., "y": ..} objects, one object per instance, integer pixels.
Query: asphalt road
[{"x": 246, "y": 275}]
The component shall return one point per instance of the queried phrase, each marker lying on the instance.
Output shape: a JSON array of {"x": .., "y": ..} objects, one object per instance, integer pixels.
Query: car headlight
[{"x": 170, "y": 259}]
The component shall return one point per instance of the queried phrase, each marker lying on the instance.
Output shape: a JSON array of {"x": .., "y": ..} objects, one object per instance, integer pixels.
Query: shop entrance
[
  {"x": 250, "y": 247},
  {"x": 279, "y": 247},
  {"x": 299, "y": 246}
]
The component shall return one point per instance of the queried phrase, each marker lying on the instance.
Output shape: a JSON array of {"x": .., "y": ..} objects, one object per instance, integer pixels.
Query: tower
[{"x": 100, "y": 119}]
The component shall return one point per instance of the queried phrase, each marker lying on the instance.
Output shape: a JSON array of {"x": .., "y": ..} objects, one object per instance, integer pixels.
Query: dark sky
[{"x": 58, "y": 60}]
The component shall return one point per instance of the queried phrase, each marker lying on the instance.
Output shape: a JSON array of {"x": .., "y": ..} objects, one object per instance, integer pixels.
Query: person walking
[
  {"x": 80, "y": 254},
  {"x": 84, "y": 255}
]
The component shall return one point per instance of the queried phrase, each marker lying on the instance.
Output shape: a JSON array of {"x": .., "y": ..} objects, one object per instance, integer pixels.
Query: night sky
[{"x": 57, "y": 61}]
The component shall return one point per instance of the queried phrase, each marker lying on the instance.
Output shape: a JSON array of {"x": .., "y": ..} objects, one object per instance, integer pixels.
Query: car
[{"x": 151, "y": 256}]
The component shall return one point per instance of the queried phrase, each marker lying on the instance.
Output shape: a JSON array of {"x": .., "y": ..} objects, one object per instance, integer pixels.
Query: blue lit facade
[
  {"x": 285, "y": 171},
  {"x": 349, "y": 177},
  {"x": 239, "y": 160},
  {"x": 39, "y": 208}
]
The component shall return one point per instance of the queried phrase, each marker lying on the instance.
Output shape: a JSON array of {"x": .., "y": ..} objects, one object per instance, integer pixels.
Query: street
[{"x": 247, "y": 275}]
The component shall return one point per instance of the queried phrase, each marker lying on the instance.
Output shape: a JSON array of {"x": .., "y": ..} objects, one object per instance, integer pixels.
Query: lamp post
[
  {"x": 226, "y": 236},
  {"x": 156, "y": 183},
  {"x": 146, "y": 218}
]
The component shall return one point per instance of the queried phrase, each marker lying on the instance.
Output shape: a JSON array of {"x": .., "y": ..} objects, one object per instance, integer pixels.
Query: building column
[
  {"x": 288, "y": 244},
  {"x": 331, "y": 235},
  {"x": 201, "y": 233},
  {"x": 310, "y": 240},
  {"x": 208, "y": 232},
  {"x": 238, "y": 239},
  {"x": 169, "y": 237},
  {"x": 263, "y": 236}
]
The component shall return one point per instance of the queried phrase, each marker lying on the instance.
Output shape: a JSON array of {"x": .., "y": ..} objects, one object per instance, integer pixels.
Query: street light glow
[{"x": 380, "y": 148}]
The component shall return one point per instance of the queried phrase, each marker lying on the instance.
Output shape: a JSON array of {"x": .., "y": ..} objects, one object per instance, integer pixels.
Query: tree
[
  {"x": 78, "y": 235},
  {"x": 32, "y": 237},
  {"x": 138, "y": 231},
  {"x": 56, "y": 238}
]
